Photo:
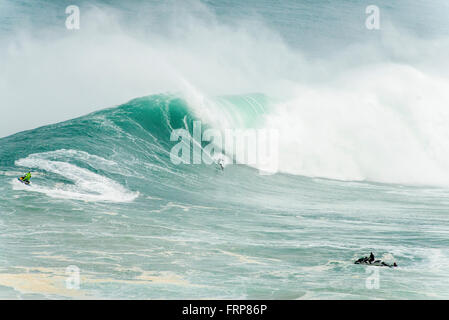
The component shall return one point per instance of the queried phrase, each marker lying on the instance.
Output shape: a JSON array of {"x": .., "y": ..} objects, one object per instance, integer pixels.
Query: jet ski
[{"x": 370, "y": 261}]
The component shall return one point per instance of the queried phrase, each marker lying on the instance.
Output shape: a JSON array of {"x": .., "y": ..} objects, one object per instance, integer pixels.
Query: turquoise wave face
[
  {"x": 106, "y": 198},
  {"x": 114, "y": 154}
]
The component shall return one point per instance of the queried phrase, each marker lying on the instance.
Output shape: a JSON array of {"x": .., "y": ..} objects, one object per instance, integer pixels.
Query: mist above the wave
[{"x": 51, "y": 74}]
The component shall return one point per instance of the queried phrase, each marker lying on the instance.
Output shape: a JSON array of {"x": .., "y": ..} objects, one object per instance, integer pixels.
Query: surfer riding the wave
[
  {"x": 26, "y": 178},
  {"x": 221, "y": 164}
]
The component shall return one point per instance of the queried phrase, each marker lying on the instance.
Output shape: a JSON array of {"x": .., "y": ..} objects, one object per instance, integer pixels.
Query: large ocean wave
[
  {"x": 371, "y": 107},
  {"x": 345, "y": 134}
]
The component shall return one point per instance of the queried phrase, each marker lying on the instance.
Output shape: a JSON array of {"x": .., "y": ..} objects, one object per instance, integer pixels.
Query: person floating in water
[
  {"x": 26, "y": 178},
  {"x": 372, "y": 261}
]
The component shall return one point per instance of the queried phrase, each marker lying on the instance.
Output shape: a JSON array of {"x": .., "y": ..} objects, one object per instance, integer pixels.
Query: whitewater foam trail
[{"x": 87, "y": 185}]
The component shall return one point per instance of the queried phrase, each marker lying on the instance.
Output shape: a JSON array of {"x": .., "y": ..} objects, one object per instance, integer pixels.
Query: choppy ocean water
[{"x": 363, "y": 158}]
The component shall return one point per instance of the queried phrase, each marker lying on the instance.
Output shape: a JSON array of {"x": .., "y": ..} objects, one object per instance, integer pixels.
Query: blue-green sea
[{"x": 363, "y": 150}]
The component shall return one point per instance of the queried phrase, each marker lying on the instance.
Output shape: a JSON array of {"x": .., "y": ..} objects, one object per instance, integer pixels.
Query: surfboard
[{"x": 25, "y": 183}]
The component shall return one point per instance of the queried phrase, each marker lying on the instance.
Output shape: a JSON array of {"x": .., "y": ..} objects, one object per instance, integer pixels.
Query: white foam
[
  {"x": 87, "y": 185},
  {"x": 386, "y": 123}
]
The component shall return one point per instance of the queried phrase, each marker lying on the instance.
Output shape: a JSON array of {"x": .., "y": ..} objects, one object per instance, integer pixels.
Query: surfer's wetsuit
[{"x": 26, "y": 177}]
